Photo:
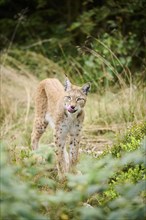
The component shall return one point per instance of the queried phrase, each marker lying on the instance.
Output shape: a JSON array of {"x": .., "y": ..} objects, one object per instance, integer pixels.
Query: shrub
[
  {"x": 18, "y": 199},
  {"x": 128, "y": 142}
]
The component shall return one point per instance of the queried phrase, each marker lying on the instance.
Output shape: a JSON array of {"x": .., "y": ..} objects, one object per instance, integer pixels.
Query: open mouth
[{"x": 71, "y": 110}]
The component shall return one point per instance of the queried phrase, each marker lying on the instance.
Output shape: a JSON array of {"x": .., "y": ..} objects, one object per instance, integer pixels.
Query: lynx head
[{"x": 75, "y": 97}]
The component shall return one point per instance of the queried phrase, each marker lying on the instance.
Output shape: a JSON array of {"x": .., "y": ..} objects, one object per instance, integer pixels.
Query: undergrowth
[
  {"x": 128, "y": 142},
  {"x": 114, "y": 186}
]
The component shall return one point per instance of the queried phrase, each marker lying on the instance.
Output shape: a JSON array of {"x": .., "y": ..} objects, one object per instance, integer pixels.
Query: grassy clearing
[
  {"x": 17, "y": 92},
  {"x": 19, "y": 81},
  {"x": 17, "y": 108}
]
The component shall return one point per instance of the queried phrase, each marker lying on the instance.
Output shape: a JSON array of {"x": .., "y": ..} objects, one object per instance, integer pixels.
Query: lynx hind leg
[
  {"x": 38, "y": 129},
  {"x": 40, "y": 123}
]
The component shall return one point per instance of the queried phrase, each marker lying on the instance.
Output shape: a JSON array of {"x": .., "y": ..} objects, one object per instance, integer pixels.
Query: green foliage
[
  {"x": 104, "y": 60},
  {"x": 130, "y": 141},
  {"x": 130, "y": 173},
  {"x": 90, "y": 195},
  {"x": 55, "y": 29},
  {"x": 84, "y": 23},
  {"x": 18, "y": 199},
  {"x": 113, "y": 187}
]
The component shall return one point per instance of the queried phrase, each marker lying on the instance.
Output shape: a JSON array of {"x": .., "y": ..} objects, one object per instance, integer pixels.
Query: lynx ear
[
  {"x": 67, "y": 84},
  {"x": 86, "y": 88}
]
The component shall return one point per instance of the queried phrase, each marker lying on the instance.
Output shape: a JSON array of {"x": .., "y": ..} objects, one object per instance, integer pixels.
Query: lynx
[{"x": 63, "y": 109}]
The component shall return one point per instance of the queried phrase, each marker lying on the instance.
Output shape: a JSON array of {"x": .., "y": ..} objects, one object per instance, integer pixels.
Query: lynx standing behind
[{"x": 63, "y": 109}]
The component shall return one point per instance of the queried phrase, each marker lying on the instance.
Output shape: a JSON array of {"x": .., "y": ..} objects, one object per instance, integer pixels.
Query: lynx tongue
[{"x": 70, "y": 109}]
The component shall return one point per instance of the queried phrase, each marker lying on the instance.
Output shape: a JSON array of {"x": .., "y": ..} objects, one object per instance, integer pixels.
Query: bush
[
  {"x": 129, "y": 142},
  {"x": 18, "y": 199},
  {"x": 105, "y": 60}
]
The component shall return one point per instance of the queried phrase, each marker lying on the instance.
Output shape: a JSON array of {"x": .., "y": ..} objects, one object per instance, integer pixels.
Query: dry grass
[
  {"x": 17, "y": 107},
  {"x": 28, "y": 61},
  {"x": 125, "y": 106},
  {"x": 17, "y": 91}
]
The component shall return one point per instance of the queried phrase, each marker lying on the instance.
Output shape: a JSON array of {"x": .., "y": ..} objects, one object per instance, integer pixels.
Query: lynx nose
[{"x": 72, "y": 107}]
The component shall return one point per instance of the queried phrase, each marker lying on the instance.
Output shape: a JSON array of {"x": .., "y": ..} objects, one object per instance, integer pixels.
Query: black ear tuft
[
  {"x": 67, "y": 84},
  {"x": 86, "y": 88}
]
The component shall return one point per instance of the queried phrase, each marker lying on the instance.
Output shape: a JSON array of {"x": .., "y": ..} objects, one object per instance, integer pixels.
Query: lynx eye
[
  {"x": 68, "y": 98},
  {"x": 80, "y": 99}
]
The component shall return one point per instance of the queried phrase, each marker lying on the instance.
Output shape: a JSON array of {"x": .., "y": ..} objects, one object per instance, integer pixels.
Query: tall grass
[{"x": 126, "y": 104}]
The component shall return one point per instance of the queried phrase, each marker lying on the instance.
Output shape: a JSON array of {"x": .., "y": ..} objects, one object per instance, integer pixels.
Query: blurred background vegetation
[
  {"x": 113, "y": 31},
  {"x": 102, "y": 41}
]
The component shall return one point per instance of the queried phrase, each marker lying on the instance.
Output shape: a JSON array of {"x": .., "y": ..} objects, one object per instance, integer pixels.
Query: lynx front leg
[
  {"x": 61, "y": 154},
  {"x": 74, "y": 149},
  {"x": 38, "y": 129}
]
